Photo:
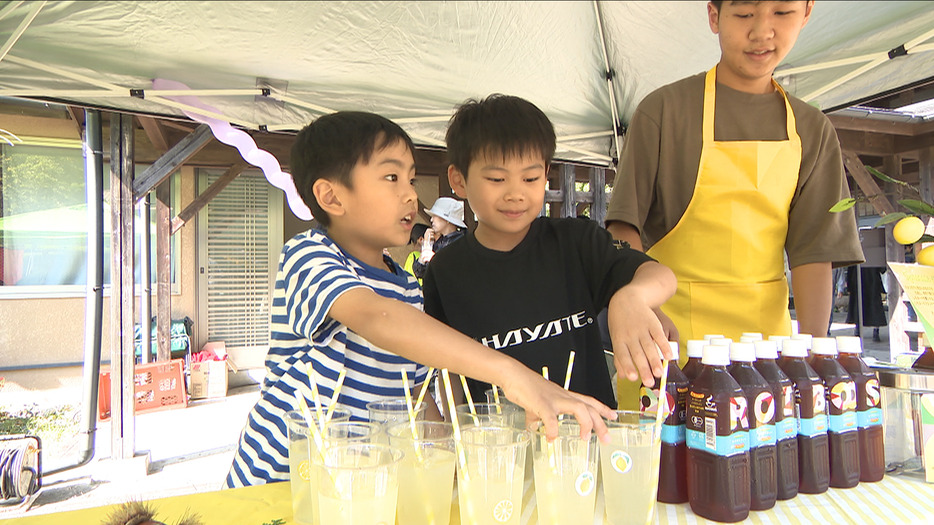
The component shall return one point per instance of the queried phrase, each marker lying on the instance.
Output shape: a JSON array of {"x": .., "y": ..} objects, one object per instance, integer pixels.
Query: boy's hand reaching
[
  {"x": 635, "y": 328},
  {"x": 544, "y": 401}
]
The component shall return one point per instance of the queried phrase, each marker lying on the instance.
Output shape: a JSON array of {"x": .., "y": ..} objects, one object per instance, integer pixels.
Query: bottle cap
[
  {"x": 696, "y": 348},
  {"x": 754, "y": 335},
  {"x": 749, "y": 339},
  {"x": 745, "y": 352},
  {"x": 708, "y": 337},
  {"x": 778, "y": 339},
  {"x": 766, "y": 350},
  {"x": 675, "y": 352},
  {"x": 824, "y": 346},
  {"x": 721, "y": 341},
  {"x": 804, "y": 337},
  {"x": 715, "y": 355},
  {"x": 794, "y": 348},
  {"x": 849, "y": 344}
]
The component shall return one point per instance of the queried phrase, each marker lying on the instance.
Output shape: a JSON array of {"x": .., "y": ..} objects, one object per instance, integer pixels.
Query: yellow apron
[{"x": 727, "y": 249}]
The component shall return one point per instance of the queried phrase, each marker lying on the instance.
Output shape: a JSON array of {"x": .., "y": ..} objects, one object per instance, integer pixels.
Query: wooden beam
[
  {"x": 598, "y": 193},
  {"x": 122, "y": 351},
  {"x": 77, "y": 117},
  {"x": 887, "y": 127},
  {"x": 866, "y": 143},
  {"x": 916, "y": 143},
  {"x": 171, "y": 160},
  {"x": 155, "y": 132},
  {"x": 569, "y": 204},
  {"x": 192, "y": 209},
  {"x": 867, "y": 183}
]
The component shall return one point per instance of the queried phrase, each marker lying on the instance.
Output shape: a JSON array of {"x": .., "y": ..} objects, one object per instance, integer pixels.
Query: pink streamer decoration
[{"x": 244, "y": 143}]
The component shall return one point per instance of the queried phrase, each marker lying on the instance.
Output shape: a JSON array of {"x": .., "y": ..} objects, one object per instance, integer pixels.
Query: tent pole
[{"x": 614, "y": 112}]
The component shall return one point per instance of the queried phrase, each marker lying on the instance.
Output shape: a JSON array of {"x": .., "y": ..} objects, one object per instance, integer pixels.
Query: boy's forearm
[
  {"x": 653, "y": 282},
  {"x": 416, "y": 336},
  {"x": 812, "y": 285}
]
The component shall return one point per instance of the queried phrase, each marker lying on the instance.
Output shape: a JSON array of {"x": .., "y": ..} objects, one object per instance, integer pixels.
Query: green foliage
[
  {"x": 843, "y": 205},
  {"x": 890, "y": 217},
  {"x": 919, "y": 207},
  {"x": 277, "y": 521}
]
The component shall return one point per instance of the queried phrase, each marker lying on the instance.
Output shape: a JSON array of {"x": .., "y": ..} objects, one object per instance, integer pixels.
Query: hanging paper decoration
[{"x": 244, "y": 143}]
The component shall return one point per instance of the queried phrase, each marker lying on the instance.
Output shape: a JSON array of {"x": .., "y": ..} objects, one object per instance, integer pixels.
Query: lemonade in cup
[
  {"x": 489, "y": 484},
  {"x": 490, "y": 414},
  {"x": 565, "y": 475},
  {"x": 300, "y": 472},
  {"x": 426, "y": 472},
  {"x": 630, "y": 468},
  {"x": 358, "y": 483}
]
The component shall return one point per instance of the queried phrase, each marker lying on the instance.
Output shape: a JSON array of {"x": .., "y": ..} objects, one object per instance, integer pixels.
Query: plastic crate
[{"x": 159, "y": 386}]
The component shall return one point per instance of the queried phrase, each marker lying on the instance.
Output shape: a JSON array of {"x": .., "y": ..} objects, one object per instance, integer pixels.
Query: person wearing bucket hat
[{"x": 447, "y": 225}]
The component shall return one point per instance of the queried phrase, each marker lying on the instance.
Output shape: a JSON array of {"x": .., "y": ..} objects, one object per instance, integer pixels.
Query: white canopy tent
[{"x": 415, "y": 61}]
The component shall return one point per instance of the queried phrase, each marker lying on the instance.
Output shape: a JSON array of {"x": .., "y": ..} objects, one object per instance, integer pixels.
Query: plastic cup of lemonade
[
  {"x": 490, "y": 414},
  {"x": 300, "y": 472},
  {"x": 358, "y": 483},
  {"x": 392, "y": 410},
  {"x": 565, "y": 475},
  {"x": 503, "y": 400},
  {"x": 426, "y": 472},
  {"x": 489, "y": 484},
  {"x": 630, "y": 468}
]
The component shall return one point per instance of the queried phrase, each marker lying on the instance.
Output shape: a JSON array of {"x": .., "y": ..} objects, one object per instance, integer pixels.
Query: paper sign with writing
[{"x": 918, "y": 282}]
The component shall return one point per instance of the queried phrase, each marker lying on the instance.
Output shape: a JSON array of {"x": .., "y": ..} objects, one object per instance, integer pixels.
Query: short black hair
[
  {"x": 498, "y": 125},
  {"x": 418, "y": 231},
  {"x": 333, "y": 144},
  {"x": 716, "y": 4}
]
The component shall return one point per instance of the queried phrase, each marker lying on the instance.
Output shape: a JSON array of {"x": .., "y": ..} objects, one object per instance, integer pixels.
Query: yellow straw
[
  {"x": 545, "y": 372},
  {"x": 315, "y": 433},
  {"x": 457, "y": 428},
  {"x": 473, "y": 409},
  {"x": 496, "y": 399},
  {"x": 662, "y": 400},
  {"x": 313, "y": 379},
  {"x": 337, "y": 393},
  {"x": 408, "y": 405},
  {"x": 567, "y": 375},
  {"x": 424, "y": 390}
]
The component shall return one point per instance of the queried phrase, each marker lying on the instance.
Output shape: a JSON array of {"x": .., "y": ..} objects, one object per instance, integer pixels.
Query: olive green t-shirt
[{"x": 658, "y": 167}]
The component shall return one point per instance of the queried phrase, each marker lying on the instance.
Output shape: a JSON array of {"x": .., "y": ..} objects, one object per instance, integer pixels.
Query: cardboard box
[
  {"x": 157, "y": 386},
  {"x": 209, "y": 378}
]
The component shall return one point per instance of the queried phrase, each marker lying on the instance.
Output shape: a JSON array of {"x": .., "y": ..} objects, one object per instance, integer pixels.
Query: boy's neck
[
  {"x": 757, "y": 86},
  {"x": 352, "y": 246},
  {"x": 499, "y": 241}
]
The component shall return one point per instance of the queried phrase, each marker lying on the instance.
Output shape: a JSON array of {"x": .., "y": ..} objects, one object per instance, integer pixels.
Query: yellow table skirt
[{"x": 895, "y": 499}]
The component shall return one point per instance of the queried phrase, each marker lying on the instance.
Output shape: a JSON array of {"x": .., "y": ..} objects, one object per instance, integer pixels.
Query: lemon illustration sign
[
  {"x": 584, "y": 484},
  {"x": 621, "y": 461},
  {"x": 918, "y": 282}
]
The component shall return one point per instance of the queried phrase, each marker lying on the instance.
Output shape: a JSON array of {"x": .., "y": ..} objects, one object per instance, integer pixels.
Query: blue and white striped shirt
[{"x": 313, "y": 273}]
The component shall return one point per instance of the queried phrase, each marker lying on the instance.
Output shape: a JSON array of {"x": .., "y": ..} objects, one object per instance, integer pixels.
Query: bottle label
[
  {"x": 812, "y": 426},
  {"x": 673, "y": 434},
  {"x": 869, "y": 418},
  {"x": 872, "y": 393},
  {"x": 735, "y": 443},
  {"x": 845, "y": 422},
  {"x": 788, "y": 401},
  {"x": 841, "y": 397},
  {"x": 762, "y": 436},
  {"x": 786, "y": 428}
]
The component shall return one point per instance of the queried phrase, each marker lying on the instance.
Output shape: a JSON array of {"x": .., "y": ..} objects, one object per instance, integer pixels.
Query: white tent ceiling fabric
[{"x": 415, "y": 62}]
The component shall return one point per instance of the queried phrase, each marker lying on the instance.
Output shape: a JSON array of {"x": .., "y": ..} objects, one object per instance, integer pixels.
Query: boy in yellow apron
[{"x": 721, "y": 174}]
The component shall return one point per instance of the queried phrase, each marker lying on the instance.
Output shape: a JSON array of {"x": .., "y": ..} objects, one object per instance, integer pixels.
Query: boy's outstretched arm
[
  {"x": 635, "y": 329},
  {"x": 408, "y": 332}
]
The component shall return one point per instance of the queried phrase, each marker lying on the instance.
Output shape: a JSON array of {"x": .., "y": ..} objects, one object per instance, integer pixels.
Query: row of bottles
[{"x": 748, "y": 427}]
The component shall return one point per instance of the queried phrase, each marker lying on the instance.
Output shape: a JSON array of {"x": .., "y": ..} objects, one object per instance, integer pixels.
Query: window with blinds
[{"x": 240, "y": 248}]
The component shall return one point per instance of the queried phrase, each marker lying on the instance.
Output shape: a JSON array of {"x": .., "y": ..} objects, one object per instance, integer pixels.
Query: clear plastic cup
[
  {"x": 630, "y": 468},
  {"x": 300, "y": 471},
  {"x": 426, "y": 472},
  {"x": 392, "y": 410},
  {"x": 358, "y": 483},
  {"x": 490, "y": 414},
  {"x": 489, "y": 484},
  {"x": 565, "y": 474}
]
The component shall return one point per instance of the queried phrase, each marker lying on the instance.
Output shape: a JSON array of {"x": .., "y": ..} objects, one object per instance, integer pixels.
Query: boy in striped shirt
[{"x": 339, "y": 303}]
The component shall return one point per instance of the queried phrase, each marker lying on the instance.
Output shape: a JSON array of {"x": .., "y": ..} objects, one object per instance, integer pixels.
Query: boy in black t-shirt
[{"x": 532, "y": 286}]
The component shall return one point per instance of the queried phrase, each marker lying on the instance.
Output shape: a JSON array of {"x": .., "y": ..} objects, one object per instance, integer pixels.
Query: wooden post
[
  {"x": 163, "y": 271},
  {"x": 598, "y": 188},
  {"x": 122, "y": 362},
  {"x": 569, "y": 195}
]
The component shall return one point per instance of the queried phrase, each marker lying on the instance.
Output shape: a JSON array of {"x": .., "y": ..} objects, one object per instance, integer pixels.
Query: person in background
[
  {"x": 339, "y": 303},
  {"x": 447, "y": 225},
  {"x": 416, "y": 239}
]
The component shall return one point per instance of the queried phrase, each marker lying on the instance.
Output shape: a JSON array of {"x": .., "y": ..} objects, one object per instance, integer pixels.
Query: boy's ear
[
  {"x": 326, "y": 193},
  {"x": 458, "y": 181},
  {"x": 713, "y": 18}
]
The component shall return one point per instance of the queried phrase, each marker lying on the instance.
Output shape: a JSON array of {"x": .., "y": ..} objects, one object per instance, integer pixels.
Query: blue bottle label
[
  {"x": 762, "y": 436},
  {"x": 869, "y": 418},
  {"x": 673, "y": 434}
]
